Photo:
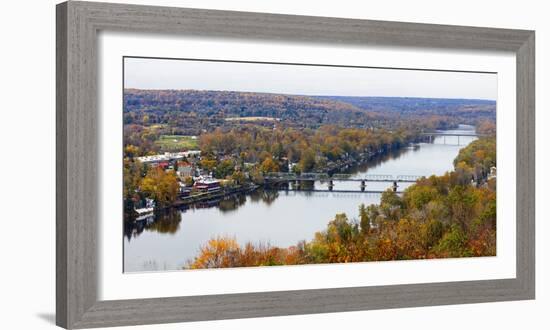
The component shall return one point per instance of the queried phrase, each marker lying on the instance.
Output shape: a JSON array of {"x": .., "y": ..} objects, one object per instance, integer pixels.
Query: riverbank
[
  {"x": 340, "y": 167},
  {"x": 222, "y": 193},
  {"x": 281, "y": 218},
  {"x": 443, "y": 216}
]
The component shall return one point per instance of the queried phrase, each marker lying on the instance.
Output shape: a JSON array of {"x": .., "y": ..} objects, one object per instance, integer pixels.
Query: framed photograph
[{"x": 217, "y": 165}]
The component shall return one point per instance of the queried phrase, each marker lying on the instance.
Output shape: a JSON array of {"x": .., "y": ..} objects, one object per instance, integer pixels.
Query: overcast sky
[{"x": 305, "y": 80}]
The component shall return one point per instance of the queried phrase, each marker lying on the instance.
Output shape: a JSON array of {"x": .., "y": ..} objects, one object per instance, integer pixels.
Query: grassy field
[
  {"x": 177, "y": 142},
  {"x": 252, "y": 119}
]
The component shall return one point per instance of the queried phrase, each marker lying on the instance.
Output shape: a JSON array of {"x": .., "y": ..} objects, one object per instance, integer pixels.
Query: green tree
[
  {"x": 364, "y": 219},
  {"x": 391, "y": 205},
  {"x": 307, "y": 160},
  {"x": 453, "y": 244},
  {"x": 132, "y": 179},
  {"x": 462, "y": 201},
  {"x": 432, "y": 233},
  {"x": 208, "y": 164},
  {"x": 418, "y": 196},
  {"x": 224, "y": 169}
]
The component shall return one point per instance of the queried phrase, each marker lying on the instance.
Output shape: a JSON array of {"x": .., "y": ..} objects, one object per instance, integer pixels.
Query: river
[{"x": 280, "y": 218}]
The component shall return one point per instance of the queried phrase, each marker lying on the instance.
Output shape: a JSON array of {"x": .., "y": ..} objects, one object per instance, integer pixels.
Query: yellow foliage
[{"x": 160, "y": 185}]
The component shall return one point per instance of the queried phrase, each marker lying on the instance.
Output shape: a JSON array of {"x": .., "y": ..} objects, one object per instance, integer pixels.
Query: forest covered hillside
[
  {"x": 240, "y": 104},
  {"x": 194, "y": 111},
  {"x": 472, "y": 108}
]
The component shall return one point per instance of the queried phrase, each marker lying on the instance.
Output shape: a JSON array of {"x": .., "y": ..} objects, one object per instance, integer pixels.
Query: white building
[
  {"x": 492, "y": 172},
  {"x": 184, "y": 171},
  {"x": 168, "y": 156}
]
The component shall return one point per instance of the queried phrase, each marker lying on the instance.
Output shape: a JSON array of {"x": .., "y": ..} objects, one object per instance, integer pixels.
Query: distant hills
[
  {"x": 238, "y": 104},
  {"x": 210, "y": 108},
  {"x": 420, "y": 106}
]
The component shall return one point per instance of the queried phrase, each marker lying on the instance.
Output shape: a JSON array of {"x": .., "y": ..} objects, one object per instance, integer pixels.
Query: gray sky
[{"x": 305, "y": 80}]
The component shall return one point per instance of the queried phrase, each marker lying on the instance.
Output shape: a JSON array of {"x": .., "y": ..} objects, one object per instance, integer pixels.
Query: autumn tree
[
  {"x": 238, "y": 177},
  {"x": 188, "y": 181},
  {"x": 480, "y": 154},
  {"x": 160, "y": 185},
  {"x": 208, "y": 164},
  {"x": 269, "y": 165},
  {"x": 487, "y": 127},
  {"x": 131, "y": 151},
  {"x": 218, "y": 253}
]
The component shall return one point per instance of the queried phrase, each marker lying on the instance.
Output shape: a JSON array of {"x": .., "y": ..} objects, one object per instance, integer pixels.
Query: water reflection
[
  {"x": 232, "y": 203},
  {"x": 163, "y": 222},
  {"x": 281, "y": 217},
  {"x": 265, "y": 196}
]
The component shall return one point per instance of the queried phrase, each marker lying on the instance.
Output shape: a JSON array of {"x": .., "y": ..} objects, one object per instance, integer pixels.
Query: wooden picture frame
[{"x": 78, "y": 24}]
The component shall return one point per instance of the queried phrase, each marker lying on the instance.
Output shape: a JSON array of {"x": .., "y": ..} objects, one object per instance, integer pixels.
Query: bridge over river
[
  {"x": 282, "y": 218},
  {"x": 300, "y": 180},
  {"x": 431, "y": 136}
]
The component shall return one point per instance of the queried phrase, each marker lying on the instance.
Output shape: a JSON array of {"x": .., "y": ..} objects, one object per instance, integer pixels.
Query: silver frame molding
[{"x": 77, "y": 149}]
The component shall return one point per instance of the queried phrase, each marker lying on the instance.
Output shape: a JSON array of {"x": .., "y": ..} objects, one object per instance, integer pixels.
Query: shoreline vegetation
[
  {"x": 241, "y": 157},
  {"x": 226, "y": 142},
  {"x": 453, "y": 215}
]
